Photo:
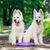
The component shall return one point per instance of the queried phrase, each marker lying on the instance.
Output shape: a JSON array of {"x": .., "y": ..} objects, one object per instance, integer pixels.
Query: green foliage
[
  {"x": 26, "y": 6},
  {"x": 47, "y": 24},
  {"x": 29, "y": 5},
  {"x": 47, "y": 28},
  {"x": 1, "y": 18},
  {"x": 7, "y": 32},
  {"x": 38, "y": 4},
  {"x": 46, "y": 15}
]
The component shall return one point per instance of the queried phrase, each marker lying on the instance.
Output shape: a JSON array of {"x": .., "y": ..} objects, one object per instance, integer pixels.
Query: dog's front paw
[
  {"x": 13, "y": 43},
  {"x": 37, "y": 44}
]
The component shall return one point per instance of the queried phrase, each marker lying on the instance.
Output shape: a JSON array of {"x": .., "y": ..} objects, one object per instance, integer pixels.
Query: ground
[{"x": 4, "y": 45}]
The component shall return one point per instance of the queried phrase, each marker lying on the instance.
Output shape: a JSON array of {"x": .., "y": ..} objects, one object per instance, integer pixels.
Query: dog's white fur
[
  {"x": 17, "y": 30},
  {"x": 35, "y": 31}
]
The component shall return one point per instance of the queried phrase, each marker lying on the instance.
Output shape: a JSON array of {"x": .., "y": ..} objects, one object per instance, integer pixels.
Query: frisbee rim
[{"x": 25, "y": 44}]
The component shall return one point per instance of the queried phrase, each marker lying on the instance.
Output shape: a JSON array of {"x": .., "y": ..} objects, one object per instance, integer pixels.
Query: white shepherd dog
[
  {"x": 17, "y": 27},
  {"x": 35, "y": 31}
]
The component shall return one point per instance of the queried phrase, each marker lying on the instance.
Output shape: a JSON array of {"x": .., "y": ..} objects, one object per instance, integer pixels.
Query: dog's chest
[
  {"x": 39, "y": 29},
  {"x": 18, "y": 29}
]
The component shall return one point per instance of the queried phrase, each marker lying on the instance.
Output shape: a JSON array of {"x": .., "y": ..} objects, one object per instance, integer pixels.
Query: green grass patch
[
  {"x": 47, "y": 28},
  {"x": 1, "y": 28},
  {"x": 7, "y": 32}
]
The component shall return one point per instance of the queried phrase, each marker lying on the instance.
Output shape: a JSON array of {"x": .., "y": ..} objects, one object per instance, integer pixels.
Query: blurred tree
[
  {"x": 4, "y": 12},
  {"x": 29, "y": 5},
  {"x": 27, "y": 12},
  {"x": 37, "y": 4},
  {"x": 47, "y": 28},
  {"x": 8, "y": 8},
  {"x": 26, "y": 6},
  {"x": 1, "y": 15}
]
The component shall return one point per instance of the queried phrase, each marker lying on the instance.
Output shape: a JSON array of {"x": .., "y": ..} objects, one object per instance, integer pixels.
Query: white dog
[
  {"x": 17, "y": 27},
  {"x": 35, "y": 31}
]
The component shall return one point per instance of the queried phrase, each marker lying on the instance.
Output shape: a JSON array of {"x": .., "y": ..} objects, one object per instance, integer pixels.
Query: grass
[
  {"x": 7, "y": 32},
  {"x": 1, "y": 27}
]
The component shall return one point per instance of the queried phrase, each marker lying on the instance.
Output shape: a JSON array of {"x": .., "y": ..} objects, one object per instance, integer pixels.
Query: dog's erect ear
[
  {"x": 19, "y": 12},
  {"x": 14, "y": 12},
  {"x": 35, "y": 11},
  {"x": 41, "y": 12}
]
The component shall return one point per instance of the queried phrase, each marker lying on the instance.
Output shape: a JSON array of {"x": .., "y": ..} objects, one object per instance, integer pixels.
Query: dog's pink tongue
[{"x": 17, "y": 24}]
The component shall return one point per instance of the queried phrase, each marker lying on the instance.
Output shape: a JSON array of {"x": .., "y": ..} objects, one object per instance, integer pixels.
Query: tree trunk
[{"x": 4, "y": 13}]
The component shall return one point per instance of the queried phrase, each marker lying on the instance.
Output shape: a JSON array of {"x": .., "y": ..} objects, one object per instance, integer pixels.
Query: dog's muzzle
[
  {"x": 38, "y": 22},
  {"x": 16, "y": 22}
]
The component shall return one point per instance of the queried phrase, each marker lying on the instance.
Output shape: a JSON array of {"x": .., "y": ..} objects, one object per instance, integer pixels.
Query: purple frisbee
[{"x": 25, "y": 44}]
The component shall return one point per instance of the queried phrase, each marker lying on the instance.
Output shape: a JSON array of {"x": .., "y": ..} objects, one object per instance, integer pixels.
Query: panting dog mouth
[
  {"x": 38, "y": 22},
  {"x": 16, "y": 22}
]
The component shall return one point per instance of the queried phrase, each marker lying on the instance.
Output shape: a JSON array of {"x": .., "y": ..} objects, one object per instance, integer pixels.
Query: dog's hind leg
[
  {"x": 36, "y": 40},
  {"x": 41, "y": 39},
  {"x": 10, "y": 39},
  {"x": 14, "y": 40}
]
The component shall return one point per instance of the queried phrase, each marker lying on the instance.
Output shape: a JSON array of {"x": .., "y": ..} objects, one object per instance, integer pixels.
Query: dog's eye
[
  {"x": 14, "y": 17},
  {"x": 39, "y": 17},
  {"x": 17, "y": 17}
]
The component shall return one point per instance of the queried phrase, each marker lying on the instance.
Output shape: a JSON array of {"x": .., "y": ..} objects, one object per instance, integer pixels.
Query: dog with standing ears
[
  {"x": 35, "y": 31},
  {"x": 17, "y": 27}
]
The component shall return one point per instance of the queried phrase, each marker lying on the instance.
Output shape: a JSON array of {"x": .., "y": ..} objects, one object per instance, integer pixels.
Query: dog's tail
[
  {"x": 44, "y": 44},
  {"x": 47, "y": 45}
]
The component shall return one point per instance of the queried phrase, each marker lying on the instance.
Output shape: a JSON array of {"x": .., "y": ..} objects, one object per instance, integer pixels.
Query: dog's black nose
[
  {"x": 36, "y": 20},
  {"x": 14, "y": 20}
]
